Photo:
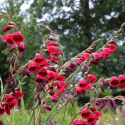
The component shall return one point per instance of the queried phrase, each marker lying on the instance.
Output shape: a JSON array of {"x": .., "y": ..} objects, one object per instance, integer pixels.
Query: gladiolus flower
[
  {"x": 92, "y": 119},
  {"x": 32, "y": 67},
  {"x": 80, "y": 91},
  {"x": 112, "y": 47},
  {"x": 44, "y": 63},
  {"x": 54, "y": 99},
  {"x": 79, "y": 122},
  {"x": 114, "y": 82},
  {"x": 39, "y": 58},
  {"x": 51, "y": 75},
  {"x": 92, "y": 78},
  {"x": 42, "y": 72},
  {"x": 98, "y": 114},
  {"x": 9, "y": 99},
  {"x": 38, "y": 79},
  {"x": 14, "y": 103},
  {"x": 83, "y": 84},
  {"x": 85, "y": 114},
  {"x": 122, "y": 82},
  {"x": 8, "y": 38},
  {"x": 96, "y": 55},
  {"x": 107, "y": 50},
  {"x": 61, "y": 86},
  {"x": 19, "y": 94},
  {"x": 17, "y": 37}
]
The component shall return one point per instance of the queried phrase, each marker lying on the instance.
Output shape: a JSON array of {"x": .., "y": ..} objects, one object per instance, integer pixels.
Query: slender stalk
[
  {"x": 64, "y": 114},
  {"x": 55, "y": 114},
  {"x": 34, "y": 108}
]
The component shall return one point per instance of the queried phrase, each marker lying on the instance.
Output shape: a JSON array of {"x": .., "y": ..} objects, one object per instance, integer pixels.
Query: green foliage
[{"x": 77, "y": 25}]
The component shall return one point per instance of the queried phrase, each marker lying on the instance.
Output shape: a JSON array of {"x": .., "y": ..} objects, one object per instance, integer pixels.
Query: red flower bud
[
  {"x": 8, "y": 27},
  {"x": 48, "y": 107},
  {"x": 12, "y": 48},
  {"x": 21, "y": 47}
]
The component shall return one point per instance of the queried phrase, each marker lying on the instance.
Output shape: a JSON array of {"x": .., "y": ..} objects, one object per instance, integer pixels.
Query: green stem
[{"x": 64, "y": 114}]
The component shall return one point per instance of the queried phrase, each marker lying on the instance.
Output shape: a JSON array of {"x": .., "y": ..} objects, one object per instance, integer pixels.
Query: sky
[{"x": 24, "y": 6}]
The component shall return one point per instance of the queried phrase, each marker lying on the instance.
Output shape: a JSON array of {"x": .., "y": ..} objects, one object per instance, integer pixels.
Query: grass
[{"x": 109, "y": 116}]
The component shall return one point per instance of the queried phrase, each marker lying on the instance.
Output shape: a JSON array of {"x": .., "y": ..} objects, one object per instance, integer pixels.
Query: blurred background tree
[{"x": 76, "y": 22}]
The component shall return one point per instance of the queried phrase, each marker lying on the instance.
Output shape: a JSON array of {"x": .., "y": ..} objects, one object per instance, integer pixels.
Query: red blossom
[
  {"x": 80, "y": 91},
  {"x": 107, "y": 50},
  {"x": 44, "y": 63},
  {"x": 13, "y": 104},
  {"x": 60, "y": 78},
  {"x": 83, "y": 84},
  {"x": 79, "y": 61},
  {"x": 52, "y": 44},
  {"x": 96, "y": 55},
  {"x": 98, "y": 114},
  {"x": 114, "y": 82},
  {"x": 92, "y": 119},
  {"x": 32, "y": 67},
  {"x": 17, "y": 37},
  {"x": 51, "y": 76},
  {"x": 92, "y": 78},
  {"x": 113, "y": 42},
  {"x": 85, "y": 114},
  {"x": 7, "y": 110},
  {"x": 79, "y": 122},
  {"x": 61, "y": 86},
  {"x": 122, "y": 82},
  {"x": 38, "y": 79},
  {"x": 9, "y": 99},
  {"x": 54, "y": 99},
  {"x": 39, "y": 58},
  {"x": 86, "y": 55},
  {"x": 112, "y": 47},
  {"x": 19, "y": 94},
  {"x": 8, "y": 38},
  {"x": 42, "y": 72},
  {"x": 52, "y": 49},
  {"x": 56, "y": 95},
  {"x": 53, "y": 59}
]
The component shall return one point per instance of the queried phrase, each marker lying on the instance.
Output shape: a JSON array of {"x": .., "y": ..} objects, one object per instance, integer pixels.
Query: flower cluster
[
  {"x": 53, "y": 81},
  {"x": 10, "y": 102},
  {"x": 91, "y": 117},
  {"x": 47, "y": 74},
  {"x": 115, "y": 81},
  {"x": 83, "y": 85},
  {"x": 17, "y": 38}
]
